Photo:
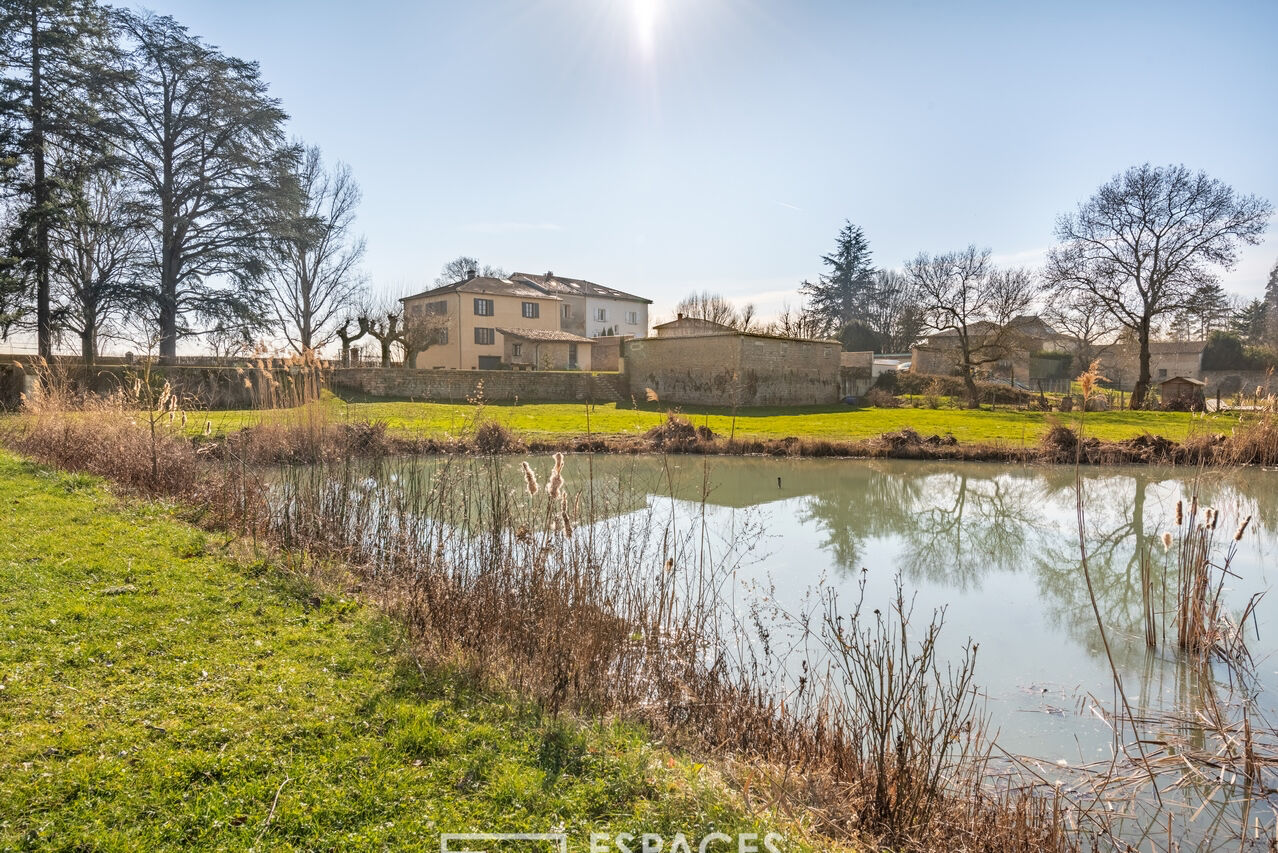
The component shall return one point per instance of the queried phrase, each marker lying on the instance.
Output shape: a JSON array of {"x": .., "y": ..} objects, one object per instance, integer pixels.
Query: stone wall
[
  {"x": 1229, "y": 382},
  {"x": 735, "y": 370},
  {"x": 458, "y": 386}
]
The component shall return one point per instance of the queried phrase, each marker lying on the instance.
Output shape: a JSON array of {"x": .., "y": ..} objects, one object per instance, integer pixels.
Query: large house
[
  {"x": 1013, "y": 347},
  {"x": 487, "y": 323},
  {"x": 592, "y": 310}
]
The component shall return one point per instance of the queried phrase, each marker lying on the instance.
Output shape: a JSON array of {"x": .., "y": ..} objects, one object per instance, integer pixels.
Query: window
[
  {"x": 1162, "y": 373},
  {"x": 437, "y": 307},
  {"x": 783, "y": 349},
  {"x": 485, "y": 337},
  {"x": 443, "y": 335},
  {"x": 632, "y": 317},
  {"x": 517, "y": 349},
  {"x": 484, "y": 308},
  {"x": 567, "y": 312},
  {"x": 826, "y": 353},
  {"x": 601, "y": 315},
  {"x": 532, "y": 310}
]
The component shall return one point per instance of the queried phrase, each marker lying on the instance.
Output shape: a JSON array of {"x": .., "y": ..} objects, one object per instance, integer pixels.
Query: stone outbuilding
[
  {"x": 545, "y": 349},
  {"x": 734, "y": 369},
  {"x": 1182, "y": 390}
]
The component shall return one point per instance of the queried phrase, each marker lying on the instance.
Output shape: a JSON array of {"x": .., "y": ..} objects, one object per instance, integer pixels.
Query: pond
[{"x": 998, "y": 548}]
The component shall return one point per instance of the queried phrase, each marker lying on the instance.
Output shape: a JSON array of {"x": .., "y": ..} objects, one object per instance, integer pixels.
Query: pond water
[{"x": 997, "y": 547}]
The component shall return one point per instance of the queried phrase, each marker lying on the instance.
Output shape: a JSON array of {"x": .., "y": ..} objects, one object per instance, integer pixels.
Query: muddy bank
[{"x": 1255, "y": 445}]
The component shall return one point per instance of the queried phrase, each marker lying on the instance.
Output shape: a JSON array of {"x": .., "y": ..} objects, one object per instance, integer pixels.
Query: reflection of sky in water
[{"x": 998, "y": 547}]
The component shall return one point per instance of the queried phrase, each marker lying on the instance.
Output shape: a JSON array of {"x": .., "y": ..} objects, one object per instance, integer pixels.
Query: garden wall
[{"x": 458, "y": 386}]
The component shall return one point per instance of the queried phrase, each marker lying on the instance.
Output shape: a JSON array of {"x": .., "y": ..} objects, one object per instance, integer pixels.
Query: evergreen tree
[
  {"x": 202, "y": 142},
  {"x": 1248, "y": 322},
  {"x": 1271, "y": 308},
  {"x": 55, "y": 55},
  {"x": 845, "y": 293}
]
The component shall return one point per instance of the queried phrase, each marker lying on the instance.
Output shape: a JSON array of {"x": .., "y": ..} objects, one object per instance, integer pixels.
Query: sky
[{"x": 666, "y": 146}]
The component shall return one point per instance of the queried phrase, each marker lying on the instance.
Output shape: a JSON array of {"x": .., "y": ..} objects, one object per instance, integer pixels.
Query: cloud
[
  {"x": 510, "y": 227},
  {"x": 1023, "y": 258}
]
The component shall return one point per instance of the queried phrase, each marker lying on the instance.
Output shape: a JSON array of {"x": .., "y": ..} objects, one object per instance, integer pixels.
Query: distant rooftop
[
  {"x": 546, "y": 335},
  {"x": 551, "y": 283},
  {"x": 485, "y": 284}
]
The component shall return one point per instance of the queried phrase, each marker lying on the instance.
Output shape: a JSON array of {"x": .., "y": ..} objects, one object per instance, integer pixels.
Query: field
[
  {"x": 560, "y": 420},
  {"x": 159, "y": 692}
]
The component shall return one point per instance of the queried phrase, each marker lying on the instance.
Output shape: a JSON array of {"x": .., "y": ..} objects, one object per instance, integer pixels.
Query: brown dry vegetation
[{"x": 527, "y": 592}]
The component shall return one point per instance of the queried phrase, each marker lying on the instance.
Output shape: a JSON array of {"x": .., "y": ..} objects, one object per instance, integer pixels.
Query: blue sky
[{"x": 662, "y": 146}]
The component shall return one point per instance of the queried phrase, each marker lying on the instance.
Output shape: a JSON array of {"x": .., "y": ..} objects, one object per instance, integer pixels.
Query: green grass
[
  {"x": 559, "y": 420},
  {"x": 156, "y": 693}
]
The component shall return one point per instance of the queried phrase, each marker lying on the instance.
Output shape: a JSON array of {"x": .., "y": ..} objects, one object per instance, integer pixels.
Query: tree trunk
[
  {"x": 1141, "y": 391},
  {"x": 44, "y": 314},
  {"x": 973, "y": 393}
]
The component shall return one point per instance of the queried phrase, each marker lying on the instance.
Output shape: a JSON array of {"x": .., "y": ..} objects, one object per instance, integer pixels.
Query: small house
[{"x": 1186, "y": 393}]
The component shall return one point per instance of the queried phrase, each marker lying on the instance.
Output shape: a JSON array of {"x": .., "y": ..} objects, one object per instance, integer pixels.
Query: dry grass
[{"x": 544, "y": 592}]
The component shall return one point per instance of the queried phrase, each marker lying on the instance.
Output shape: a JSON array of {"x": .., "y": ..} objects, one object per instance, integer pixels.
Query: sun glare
[{"x": 646, "y": 13}]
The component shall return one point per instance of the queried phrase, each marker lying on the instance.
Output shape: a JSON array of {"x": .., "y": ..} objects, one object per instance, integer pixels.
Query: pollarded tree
[
  {"x": 970, "y": 304},
  {"x": 55, "y": 55},
  {"x": 311, "y": 267},
  {"x": 842, "y": 295},
  {"x": 1148, "y": 242},
  {"x": 201, "y": 139}
]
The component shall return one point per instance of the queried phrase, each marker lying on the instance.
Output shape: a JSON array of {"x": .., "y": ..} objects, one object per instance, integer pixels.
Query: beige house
[
  {"x": 589, "y": 309},
  {"x": 545, "y": 349},
  {"x": 473, "y": 310},
  {"x": 1167, "y": 360}
]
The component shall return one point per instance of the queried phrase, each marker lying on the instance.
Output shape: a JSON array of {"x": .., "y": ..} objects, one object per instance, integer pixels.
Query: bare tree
[
  {"x": 964, "y": 298},
  {"x": 796, "y": 323},
  {"x": 1084, "y": 320},
  {"x": 893, "y": 314},
  {"x": 421, "y": 332},
  {"x": 96, "y": 246},
  {"x": 1148, "y": 242},
  {"x": 463, "y": 266},
  {"x": 716, "y": 309},
  {"x": 311, "y": 268}
]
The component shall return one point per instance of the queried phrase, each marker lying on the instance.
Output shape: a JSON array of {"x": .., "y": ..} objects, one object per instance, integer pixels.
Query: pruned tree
[
  {"x": 55, "y": 58},
  {"x": 843, "y": 294},
  {"x": 1148, "y": 242},
  {"x": 420, "y": 333},
  {"x": 311, "y": 268},
  {"x": 462, "y": 266},
  {"x": 97, "y": 246},
  {"x": 201, "y": 139},
  {"x": 967, "y": 300}
]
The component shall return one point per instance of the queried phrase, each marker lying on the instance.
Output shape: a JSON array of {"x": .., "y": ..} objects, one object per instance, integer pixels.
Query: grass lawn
[
  {"x": 156, "y": 693},
  {"x": 833, "y": 422}
]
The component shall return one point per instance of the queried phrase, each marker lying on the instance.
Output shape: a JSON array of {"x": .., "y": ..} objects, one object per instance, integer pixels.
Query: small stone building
[
  {"x": 545, "y": 349},
  {"x": 1183, "y": 390},
  {"x": 735, "y": 369}
]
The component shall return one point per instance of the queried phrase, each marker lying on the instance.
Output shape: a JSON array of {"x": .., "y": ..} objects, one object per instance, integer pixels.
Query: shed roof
[
  {"x": 545, "y": 335},
  {"x": 1182, "y": 379}
]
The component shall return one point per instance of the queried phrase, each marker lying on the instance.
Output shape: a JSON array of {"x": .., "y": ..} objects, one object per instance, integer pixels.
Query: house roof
[
  {"x": 545, "y": 335},
  {"x": 486, "y": 284},
  {"x": 1183, "y": 379},
  {"x": 733, "y": 332},
  {"x": 1176, "y": 347},
  {"x": 1029, "y": 325},
  {"x": 551, "y": 283},
  {"x": 699, "y": 322}
]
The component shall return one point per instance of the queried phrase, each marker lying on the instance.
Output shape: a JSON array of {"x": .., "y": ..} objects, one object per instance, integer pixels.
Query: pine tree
[
  {"x": 202, "y": 142},
  {"x": 1271, "y": 308},
  {"x": 55, "y": 54},
  {"x": 844, "y": 294}
]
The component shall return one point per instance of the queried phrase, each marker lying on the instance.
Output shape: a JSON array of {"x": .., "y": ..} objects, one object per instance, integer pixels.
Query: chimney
[
  {"x": 549, "y": 274},
  {"x": 680, "y": 316},
  {"x": 471, "y": 272}
]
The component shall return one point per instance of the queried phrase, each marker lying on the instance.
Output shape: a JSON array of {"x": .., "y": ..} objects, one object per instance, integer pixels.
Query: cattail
[
  {"x": 1180, "y": 513},
  {"x": 184, "y": 418},
  {"x": 1207, "y": 517},
  {"x": 170, "y": 418},
  {"x": 530, "y": 479},
  {"x": 1242, "y": 528},
  {"x": 1212, "y": 519},
  {"x": 563, "y": 513},
  {"x": 669, "y": 564},
  {"x": 651, "y": 395},
  {"x": 556, "y": 481},
  {"x": 208, "y": 428},
  {"x": 1167, "y": 542}
]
